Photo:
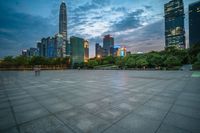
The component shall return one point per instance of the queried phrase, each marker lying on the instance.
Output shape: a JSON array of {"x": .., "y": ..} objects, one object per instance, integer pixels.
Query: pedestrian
[{"x": 35, "y": 70}]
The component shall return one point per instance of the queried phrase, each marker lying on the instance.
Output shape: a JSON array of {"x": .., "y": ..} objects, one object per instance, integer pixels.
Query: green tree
[
  {"x": 119, "y": 61},
  {"x": 92, "y": 63},
  {"x": 21, "y": 61},
  {"x": 131, "y": 62},
  {"x": 155, "y": 59},
  {"x": 142, "y": 62},
  {"x": 172, "y": 61}
]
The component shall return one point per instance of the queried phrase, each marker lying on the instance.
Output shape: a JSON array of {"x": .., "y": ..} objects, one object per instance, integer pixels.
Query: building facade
[
  {"x": 86, "y": 50},
  {"x": 194, "y": 23},
  {"x": 60, "y": 45},
  {"x": 174, "y": 23},
  {"x": 99, "y": 51},
  {"x": 119, "y": 51},
  {"x": 77, "y": 48},
  {"x": 63, "y": 20},
  {"x": 51, "y": 47},
  {"x": 108, "y": 44}
]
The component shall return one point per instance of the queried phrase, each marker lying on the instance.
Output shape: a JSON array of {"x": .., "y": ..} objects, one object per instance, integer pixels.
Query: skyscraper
[
  {"x": 174, "y": 23},
  {"x": 86, "y": 50},
  {"x": 63, "y": 20},
  {"x": 108, "y": 44},
  {"x": 99, "y": 51},
  {"x": 77, "y": 48},
  {"x": 194, "y": 23}
]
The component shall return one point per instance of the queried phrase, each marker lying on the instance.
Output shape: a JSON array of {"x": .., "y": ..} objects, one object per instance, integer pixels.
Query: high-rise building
[
  {"x": 51, "y": 47},
  {"x": 86, "y": 50},
  {"x": 39, "y": 46},
  {"x": 174, "y": 23},
  {"x": 194, "y": 23},
  {"x": 25, "y": 52},
  {"x": 30, "y": 52},
  {"x": 108, "y": 44},
  {"x": 33, "y": 52},
  {"x": 43, "y": 47},
  {"x": 98, "y": 50},
  {"x": 63, "y": 20},
  {"x": 77, "y": 48},
  {"x": 119, "y": 51},
  {"x": 60, "y": 45}
]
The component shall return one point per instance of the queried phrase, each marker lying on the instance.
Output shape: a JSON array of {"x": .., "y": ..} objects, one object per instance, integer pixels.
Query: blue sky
[{"x": 137, "y": 24}]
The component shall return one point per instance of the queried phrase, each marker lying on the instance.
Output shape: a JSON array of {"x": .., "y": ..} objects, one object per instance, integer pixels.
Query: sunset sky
[{"x": 137, "y": 24}]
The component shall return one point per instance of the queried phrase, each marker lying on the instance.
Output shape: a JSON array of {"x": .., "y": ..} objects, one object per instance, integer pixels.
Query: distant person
[{"x": 35, "y": 70}]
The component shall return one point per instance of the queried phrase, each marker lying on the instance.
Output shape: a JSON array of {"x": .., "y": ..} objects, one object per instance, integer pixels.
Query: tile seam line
[
  {"x": 12, "y": 110},
  {"x": 133, "y": 110},
  {"x": 49, "y": 112},
  {"x": 170, "y": 108}
]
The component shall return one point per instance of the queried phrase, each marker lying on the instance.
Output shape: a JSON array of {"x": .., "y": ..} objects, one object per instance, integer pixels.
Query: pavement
[{"x": 83, "y": 101}]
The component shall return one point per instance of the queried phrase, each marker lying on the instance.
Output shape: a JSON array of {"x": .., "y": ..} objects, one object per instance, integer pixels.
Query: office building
[
  {"x": 33, "y": 52},
  {"x": 77, "y": 48},
  {"x": 119, "y": 51},
  {"x": 108, "y": 44},
  {"x": 174, "y": 24},
  {"x": 60, "y": 46},
  {"x": 99, "y": 51},
  {"x": 51, "y": 48},
  {"x": 86, "y": 50},
  {"x": 25, "y": 52},
  {"x": 194, "y": 23},
  {"x": 63, "y": 20}
]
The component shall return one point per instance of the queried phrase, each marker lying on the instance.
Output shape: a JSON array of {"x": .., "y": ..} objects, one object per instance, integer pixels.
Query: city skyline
[{"x": 139, "y": 26}]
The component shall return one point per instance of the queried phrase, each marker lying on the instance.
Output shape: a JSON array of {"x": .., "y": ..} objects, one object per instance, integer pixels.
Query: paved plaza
[{"x": 101, "y": 101}]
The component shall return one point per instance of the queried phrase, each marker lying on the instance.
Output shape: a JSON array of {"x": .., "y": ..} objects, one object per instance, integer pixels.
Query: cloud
[
  {"x": 20, "y": 30},
  {"x": 147, "y": 38},
  {"x": 130, "y": 21}
]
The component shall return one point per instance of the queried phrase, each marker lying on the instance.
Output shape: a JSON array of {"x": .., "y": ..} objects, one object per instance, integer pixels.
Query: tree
[
  {"x": 21, "y": 61},
  {"x": 172, "y": 61},
  {"x": 193, "y": 52},
  {"x": 131, "y": 62},
  {"x": 119, "y": 61},
  {"x": 92, "y": 63},
  {"x": 155, "y": 59},
  {"x": 109, "y": 59},
  {"x": 142, "y": 62}
]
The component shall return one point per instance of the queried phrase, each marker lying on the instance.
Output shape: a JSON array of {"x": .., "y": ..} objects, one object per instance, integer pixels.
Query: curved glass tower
[{"x": 63, "y": 20}]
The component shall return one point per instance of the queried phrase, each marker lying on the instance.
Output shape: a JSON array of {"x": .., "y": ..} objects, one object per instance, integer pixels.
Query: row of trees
[
  {"x": 171, "y": 57},
  {"x": 28, "y": 62}
]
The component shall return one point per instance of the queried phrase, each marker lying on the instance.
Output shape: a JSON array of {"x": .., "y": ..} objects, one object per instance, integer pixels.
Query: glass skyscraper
[
  {"x": 63, "y": 20},
  {"x": 77, "y": 48},
  {"x": 86, "y": 50},
  {"x": 194, "y": 23},
  {"x": 108, "y": 44},
  {"x": 174, "y": 24}
]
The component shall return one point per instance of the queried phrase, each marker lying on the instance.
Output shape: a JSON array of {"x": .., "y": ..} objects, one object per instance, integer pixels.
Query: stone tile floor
[{"x": 84, "y": 101}]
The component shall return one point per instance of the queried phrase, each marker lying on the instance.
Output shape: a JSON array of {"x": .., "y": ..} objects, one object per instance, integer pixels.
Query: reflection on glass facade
[
  {"x": 119, "y": 51},
  {"x": 194, "y": 23},
  {"x": 108, "y": 44},
  {"x": 174, "y": 23},
  {"x": 77, "y": 47},
  {"x": 86, "y": 50}
]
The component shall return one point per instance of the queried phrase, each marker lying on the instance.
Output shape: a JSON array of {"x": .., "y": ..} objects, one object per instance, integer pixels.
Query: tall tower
[
  {"x": 63, "y": 20},
  {"x": 174, "y": 23},
  {"x": 108, "y": 44},
  {"x": 194, "y": 23}
]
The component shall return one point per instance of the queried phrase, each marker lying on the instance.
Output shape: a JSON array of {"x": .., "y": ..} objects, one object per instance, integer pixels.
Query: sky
[{"x": 136, "y": 24}]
